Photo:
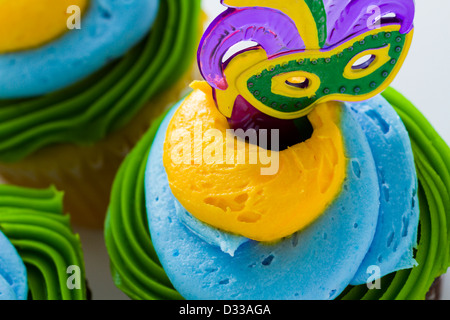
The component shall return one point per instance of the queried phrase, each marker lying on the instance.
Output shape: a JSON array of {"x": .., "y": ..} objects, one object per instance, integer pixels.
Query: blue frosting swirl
[
  {"x": 109, "y": 29},
  {"x": 13, "y": 274},
  {"x": 316, "y": 263},
  {"x": 361, "y": 228}
]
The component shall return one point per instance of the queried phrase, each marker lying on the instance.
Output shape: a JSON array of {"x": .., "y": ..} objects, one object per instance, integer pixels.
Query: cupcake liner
[{"x": 86, "y": 173}]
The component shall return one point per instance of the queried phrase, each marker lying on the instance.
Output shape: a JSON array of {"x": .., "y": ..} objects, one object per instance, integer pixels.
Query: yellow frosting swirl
[
  {"x": 27, "y": 24},
  {"x": 236, "y": 197}
]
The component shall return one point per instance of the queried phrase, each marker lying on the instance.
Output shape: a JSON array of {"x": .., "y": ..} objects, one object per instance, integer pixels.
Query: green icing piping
[
  {"x": 137, "y": 271},
  {"x": 88, "y": 111},
  {"x": 134, "y": 264},
  {"x": 432, "y": 158},
  {"x": 34, "y": 222}
]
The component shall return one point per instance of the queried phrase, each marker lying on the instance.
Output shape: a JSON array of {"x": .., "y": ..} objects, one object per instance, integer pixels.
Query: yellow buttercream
[
  {"x": 236, "y": 197},
  {"x": 26, "y": 24}
]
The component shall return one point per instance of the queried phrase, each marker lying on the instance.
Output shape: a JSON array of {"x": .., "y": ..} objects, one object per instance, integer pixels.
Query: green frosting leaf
[{"x": 135, "y": 266}]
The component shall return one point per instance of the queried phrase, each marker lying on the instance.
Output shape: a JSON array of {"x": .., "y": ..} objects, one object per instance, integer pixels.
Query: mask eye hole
[
  {"x": 295, "y": 84},
  {"x": 364, "y": 62},
  {"x": 298, "y": 82}
]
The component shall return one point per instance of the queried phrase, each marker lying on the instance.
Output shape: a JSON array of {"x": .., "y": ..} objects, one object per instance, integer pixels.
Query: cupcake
[
  {"x": 342, "y": 194},
  {"x": 40, "y": 256},
  {"x": 74, "y": 102}
]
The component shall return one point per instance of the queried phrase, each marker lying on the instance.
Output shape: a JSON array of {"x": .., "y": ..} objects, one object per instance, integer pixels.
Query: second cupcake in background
[
  {"x": 83, "y": 98},
  {"x": 41, "y": 257}
]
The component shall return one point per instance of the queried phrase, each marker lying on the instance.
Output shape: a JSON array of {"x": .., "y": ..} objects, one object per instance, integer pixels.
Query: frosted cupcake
[
  {"x": 40, "y": 256},
  {"x": 74, "y": 102},
  {"x": 334, "y": 221}
]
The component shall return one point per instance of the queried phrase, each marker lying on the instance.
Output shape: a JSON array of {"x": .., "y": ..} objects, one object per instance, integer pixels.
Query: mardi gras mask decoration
[{"x": 307, "y": 52}]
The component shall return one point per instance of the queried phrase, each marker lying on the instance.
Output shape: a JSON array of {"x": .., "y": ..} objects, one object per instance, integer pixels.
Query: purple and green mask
[{"x": 306, "y": 52}]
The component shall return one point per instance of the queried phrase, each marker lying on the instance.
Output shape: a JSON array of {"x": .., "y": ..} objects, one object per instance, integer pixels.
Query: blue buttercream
[
  {"x": 13, "y": 275},
  {"x": 316, "y": 263},
  {"x": 108, "y": 30},
  {"x": 227, "y": 242},
  {"x": 396, "y": 233}
]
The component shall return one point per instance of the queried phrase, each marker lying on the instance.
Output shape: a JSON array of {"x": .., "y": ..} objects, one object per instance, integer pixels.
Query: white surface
[{"x": 423, "y": 79}]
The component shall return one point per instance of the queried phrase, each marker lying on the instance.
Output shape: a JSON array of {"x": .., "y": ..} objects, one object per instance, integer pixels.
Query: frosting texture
[
  {"x": 34, "y": 222},
  {"x": 87, "y": 111},
  {"x": 25, "y": 25},
  {"x": 396, "y": 232},
  {"x": 108, "y": 30},
  {"x": 135, "y": 267},
  {"x": 432, "y": 156},
  {"x": 315, "y": 263},
  {"x": 13, "y": 275},
  {"x": 230, "y": 191}
]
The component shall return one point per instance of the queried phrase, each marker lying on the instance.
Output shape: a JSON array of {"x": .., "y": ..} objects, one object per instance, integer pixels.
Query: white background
[{"x": 424, "y": 79}]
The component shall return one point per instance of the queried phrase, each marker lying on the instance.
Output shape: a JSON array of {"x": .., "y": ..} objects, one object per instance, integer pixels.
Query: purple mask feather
[
  {"x": 355, "y": 17},
  {"x": 272, "y": 30}
]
